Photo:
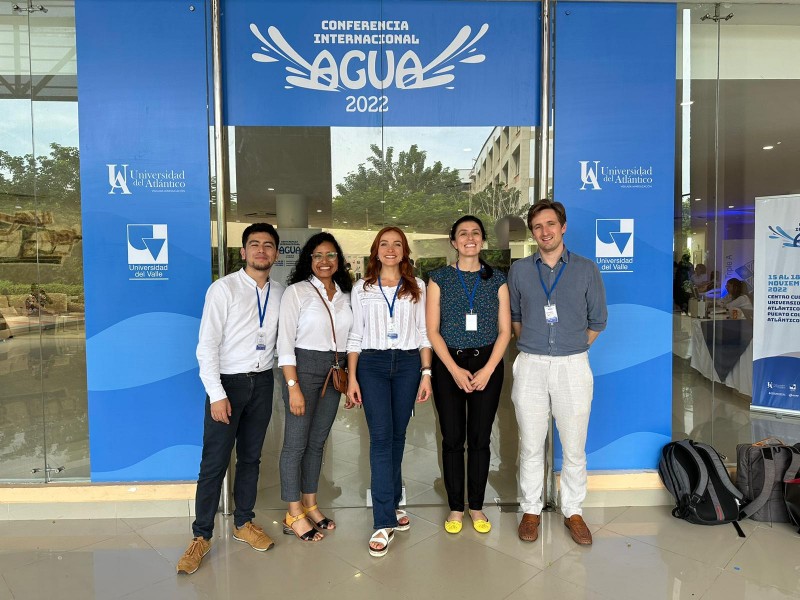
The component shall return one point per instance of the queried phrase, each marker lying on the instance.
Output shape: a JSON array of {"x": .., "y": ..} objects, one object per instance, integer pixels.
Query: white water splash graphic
[{"x": 407, "y": 72}]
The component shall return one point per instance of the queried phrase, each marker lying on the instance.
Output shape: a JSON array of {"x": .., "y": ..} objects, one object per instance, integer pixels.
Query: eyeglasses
[{"x": 318, "y": 256}]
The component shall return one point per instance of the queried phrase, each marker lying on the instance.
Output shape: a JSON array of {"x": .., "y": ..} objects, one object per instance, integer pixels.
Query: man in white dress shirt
[{"x": 237, "y": 344}]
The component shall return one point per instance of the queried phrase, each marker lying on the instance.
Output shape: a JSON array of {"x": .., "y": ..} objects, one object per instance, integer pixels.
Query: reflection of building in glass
[
  {"x": 506, "y": 162},
  {"x": 502, "y": 184}
]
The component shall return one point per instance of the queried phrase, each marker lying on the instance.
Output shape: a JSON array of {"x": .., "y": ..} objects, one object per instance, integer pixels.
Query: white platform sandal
[
  {"x": 381, "y": 536},
  {"x": 402, "y": 514}
]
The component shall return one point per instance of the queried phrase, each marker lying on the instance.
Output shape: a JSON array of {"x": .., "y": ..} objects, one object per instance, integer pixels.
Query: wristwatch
[{"x": 291, "y": 383}]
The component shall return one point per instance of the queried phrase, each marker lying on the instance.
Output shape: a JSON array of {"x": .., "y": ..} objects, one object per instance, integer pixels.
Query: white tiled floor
[{"x": 640, "y": 553}]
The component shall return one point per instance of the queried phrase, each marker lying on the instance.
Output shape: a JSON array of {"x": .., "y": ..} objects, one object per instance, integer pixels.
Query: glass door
[
  {"x": 737, "y": 139},
  {"x": 43, "y": 421}
]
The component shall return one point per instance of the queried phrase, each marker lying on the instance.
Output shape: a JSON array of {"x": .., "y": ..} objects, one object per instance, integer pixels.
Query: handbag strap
[
  {"x": 794, "y": 467},
  {"x": 765, "y": 441},
  {"x": 333, "y": 327},
  {"x": 769, "y": 481}
]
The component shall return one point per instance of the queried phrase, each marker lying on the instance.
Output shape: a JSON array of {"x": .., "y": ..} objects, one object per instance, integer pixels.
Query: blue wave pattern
[
  {"x": 152, "y": 347},
  {"x": 639, "y": 450},
  {"x": 158, "y": 467},
  {"x": 637, "y": 334},
  {"x": 636, "y": 400},
  {"x": 136, "y": 425}
]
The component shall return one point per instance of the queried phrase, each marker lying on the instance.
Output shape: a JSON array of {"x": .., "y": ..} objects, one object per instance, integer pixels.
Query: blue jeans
[
  {"x": 250, "y": 396},
  {"x": 389, "y": 380}
]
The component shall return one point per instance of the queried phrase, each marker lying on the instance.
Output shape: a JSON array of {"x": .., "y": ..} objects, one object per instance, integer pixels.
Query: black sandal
[
  {"x": 324, "y": 523},
  {"x": 308, "y": 536}
]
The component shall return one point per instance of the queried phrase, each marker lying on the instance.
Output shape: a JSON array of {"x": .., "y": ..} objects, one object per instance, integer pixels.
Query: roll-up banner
[
  {"x": 614, "y": 172},
  {"x": 145, "y": 197},
  {"x": 357, "y": 63},
  {"x": 776, "y": 315}
]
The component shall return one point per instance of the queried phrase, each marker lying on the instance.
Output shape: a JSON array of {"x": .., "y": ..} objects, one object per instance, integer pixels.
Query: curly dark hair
[{"x": 302, "y": 270}]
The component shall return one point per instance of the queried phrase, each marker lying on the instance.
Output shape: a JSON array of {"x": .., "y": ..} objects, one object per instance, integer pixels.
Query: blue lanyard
[
  {"x": 470, "y": 297},
  {"x": 391, "y": 306},
  {"x": 555, "y": 283},
  {"x": 262, "y": 313}
]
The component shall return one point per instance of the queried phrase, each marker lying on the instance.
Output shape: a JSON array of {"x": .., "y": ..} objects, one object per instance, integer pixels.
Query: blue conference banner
[
  {"x": 391, "y": 63},
  {"x": 142, "y": 82},
  {"x": 776, "y": 318},
  {"x": 614, "y": 172}
]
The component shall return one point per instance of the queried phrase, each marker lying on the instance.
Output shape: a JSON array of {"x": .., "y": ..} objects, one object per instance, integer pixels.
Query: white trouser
[{"x": 565, "y": 384}]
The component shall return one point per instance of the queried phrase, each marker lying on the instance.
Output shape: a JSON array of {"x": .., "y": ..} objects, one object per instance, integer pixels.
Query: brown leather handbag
[{"x": 337, "y": 375}]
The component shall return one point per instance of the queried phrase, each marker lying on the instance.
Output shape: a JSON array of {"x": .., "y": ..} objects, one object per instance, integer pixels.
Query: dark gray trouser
[{"x": 304, "y": 437}]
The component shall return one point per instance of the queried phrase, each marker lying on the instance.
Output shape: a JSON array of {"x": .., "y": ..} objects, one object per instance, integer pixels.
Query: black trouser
[
  {"x": 250, "y": 395},
  {"x": 466, "y": 417}
]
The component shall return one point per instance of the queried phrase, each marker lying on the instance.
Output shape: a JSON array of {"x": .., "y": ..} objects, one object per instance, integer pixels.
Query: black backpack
[{"x": 704, "y": 493}]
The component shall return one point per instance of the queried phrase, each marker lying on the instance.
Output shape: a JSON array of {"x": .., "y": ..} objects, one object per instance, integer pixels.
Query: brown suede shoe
[
  {"x": 528, "y": 529},
  {"x": 190, "y": 561},
  {"x": 578, "y": 530}
]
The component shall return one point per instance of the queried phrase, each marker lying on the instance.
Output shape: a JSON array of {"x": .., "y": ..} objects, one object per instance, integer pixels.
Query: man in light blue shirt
[{"x": 558, "y": 308}]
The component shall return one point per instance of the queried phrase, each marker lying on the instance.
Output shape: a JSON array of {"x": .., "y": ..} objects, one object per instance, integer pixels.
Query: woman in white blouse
[
  {"x": 389, "y": 359},
  {"x": 737, "y": 297},
  {"x": 315, "y": 304}
]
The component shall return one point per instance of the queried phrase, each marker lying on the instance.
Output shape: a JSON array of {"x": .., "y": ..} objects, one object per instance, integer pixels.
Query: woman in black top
[{"x": 469, "y": 326}]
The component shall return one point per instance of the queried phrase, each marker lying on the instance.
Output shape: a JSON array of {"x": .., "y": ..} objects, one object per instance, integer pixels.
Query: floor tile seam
[
  {"x": 504, "y": 557},
  {"x": 526, "y": 582},
  {"x": 160, "y": 520},
  {"x": 8, "y": 587},
  {"x": 705, "y": 596},
  {"x": 619, "y": 516},
  {"x": 738, "y": 540},
  {"x": 372, "y": 579},
  {"x": 790, "y": 531},
  {"x": 20, "y": 565},
  {"x": 557, "y": 576},
  {"x": 729, "y": 568},
  {"x": 157, "y": 551},
  {"x": 143, "y": 587},
  {"x": 630, "y": 539}
]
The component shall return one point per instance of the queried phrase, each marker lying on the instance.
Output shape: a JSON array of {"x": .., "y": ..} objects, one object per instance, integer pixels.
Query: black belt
[
  {"x": 245, "y": 375},
  {"x": 471, "y": 351}
]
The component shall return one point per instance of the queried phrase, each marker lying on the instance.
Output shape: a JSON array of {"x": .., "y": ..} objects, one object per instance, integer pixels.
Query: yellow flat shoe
[
  {"x": 482, "y": 526},
  {"x": 452, "y": 526}
]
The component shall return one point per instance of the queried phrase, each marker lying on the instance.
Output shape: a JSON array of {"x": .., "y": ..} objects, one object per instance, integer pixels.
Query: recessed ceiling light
[
  {"x": 730, "y": 206},
  {"x": 768, "y": 147},
  {"x": 697, "y": 199},
  {"x": 319, "y": 210},
  {"x": 270, "y": 189}
]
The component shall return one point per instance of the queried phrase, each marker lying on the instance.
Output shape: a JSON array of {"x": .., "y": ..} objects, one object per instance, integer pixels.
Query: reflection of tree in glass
[
  {"x": 496, "y": 202},
  {"x": 404, "y": 192},
  {"x": 53, "y": 179}
]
